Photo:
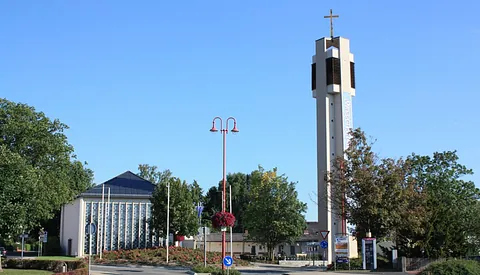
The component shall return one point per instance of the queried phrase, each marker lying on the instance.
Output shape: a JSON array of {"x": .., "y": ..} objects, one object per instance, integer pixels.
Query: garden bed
[
  {"x": 30, "y": 266},
  {"x": 157, "y": 256}
]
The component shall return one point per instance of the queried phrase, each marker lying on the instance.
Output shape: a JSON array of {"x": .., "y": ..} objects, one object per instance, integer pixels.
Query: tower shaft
[{"x": 333, "y": 86}]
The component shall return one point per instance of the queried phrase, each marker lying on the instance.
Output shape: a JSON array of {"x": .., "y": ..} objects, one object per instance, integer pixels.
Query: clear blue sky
[{"x": 140, "y": 81}]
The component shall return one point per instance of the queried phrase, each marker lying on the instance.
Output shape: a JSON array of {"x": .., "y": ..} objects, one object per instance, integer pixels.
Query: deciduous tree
[
  {"x": 366, "y": 189},
  {"x": 240, "y": 198},
  {"x": 183, "y": 217},
  {"x": 451, "y": 203},
  {"x": 274, "y": 215},
  {"x": 39, "y": 171}
]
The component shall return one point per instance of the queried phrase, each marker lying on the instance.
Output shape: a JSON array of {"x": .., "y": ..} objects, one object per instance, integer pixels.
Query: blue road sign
[
  {"x": 227, "y": 261},
  {"x": 323, "y": 244}
]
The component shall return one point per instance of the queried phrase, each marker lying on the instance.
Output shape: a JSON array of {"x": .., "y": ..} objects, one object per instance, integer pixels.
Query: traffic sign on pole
[
  {"x": 228, "y": 261},
  {"x": 324, "y": 233},
  {"x": 91, "y": 228},
  {"x": 324, "y": 244}
]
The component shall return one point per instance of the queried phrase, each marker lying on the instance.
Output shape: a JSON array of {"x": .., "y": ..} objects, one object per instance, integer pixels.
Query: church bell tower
[{"x": 333, "y": 86}]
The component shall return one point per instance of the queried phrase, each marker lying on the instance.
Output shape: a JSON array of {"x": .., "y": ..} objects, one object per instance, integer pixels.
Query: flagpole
[{"x": 103, "y": 220}]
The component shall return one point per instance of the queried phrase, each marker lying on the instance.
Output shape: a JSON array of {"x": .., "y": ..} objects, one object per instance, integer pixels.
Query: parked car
[{"x": 3, "y": 252}]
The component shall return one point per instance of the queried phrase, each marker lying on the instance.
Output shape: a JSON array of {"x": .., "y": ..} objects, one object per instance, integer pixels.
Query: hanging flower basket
[
  {"x": 179, "y": 238},
  {"x": 222, "y": 220}
]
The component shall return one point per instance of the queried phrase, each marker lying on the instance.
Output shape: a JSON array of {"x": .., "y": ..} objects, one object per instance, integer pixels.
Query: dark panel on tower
[
  {"x": 333, "y": 71},
  {"x": 352, "y": 75},
  {"x": 314, "y": 76},
  {"x": 335, "y": 42}
]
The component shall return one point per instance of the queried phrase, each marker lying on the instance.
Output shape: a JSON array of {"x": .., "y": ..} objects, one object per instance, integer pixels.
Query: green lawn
[
  {"x": 57, "y": 258},
  {"x": 25, "y": 272}
]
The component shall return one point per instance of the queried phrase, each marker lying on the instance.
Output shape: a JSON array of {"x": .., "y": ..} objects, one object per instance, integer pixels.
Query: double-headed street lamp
[{"x": 224, "y": 131}]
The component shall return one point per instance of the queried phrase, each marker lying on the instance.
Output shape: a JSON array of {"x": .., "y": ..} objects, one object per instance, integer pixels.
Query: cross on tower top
[{"x": 331, "y": 16}]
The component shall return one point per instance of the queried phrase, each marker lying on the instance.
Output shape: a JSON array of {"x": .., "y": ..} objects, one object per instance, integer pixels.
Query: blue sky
[{"x": 140, "y": 81}]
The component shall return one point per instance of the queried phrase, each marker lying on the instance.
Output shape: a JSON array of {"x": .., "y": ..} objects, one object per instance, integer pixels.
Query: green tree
[
  {"x": 39, "y": 170},
  {"x": 212, "y": 205},
  {"x": 367, "y": 189},
  {"x": 451, "y": 203},
  {"x": 274, "y": 215},
  {"x": 183, "y": 217},
  {"x": 240, "y": 199},
  {"x": 152, "y": 174}
]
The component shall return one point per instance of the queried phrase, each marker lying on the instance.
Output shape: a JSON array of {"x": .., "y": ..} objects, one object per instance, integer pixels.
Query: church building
[{"x": 118, "y": 212}]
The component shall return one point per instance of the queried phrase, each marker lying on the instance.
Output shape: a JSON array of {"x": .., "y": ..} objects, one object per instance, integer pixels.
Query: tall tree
[
  {"x": 212, "y": 205},
  {"x": 39, "y": 170},
  {"x": 274, "y": 215},
  {"x": 451, "y": 203},
  {"x": 366, "y": 189},
  {"x": 152, "y": 174},
  {"x": 183, "y": 217},
  {"x": 240, "y": 198}
]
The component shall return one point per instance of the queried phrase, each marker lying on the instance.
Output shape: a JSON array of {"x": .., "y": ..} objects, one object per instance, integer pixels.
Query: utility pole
[{"x": 168, "y": 217}]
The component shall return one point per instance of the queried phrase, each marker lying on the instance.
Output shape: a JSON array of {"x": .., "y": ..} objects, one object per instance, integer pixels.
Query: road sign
[
  {"x": 91, "y": 228},
  {"x": 324, "y": 244},
  {"x": 324, "y": 233},
  {"x": 227, "y": 261},
  {"x": 24, "y": 236},
  {"x": 45, "y": 236}
]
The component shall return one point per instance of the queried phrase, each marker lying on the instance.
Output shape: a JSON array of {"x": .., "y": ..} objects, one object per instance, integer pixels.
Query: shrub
[
  {"x": 214, "y": 270},
  {"x": 453, "y": 267},
  {"x": 204, "y": 269},
  {"x": 50, "y": 265},
  {"x": 157, "y": 256},
  {"x": 81, "y": 271},
  {"x": 355, "y": 264},
  {"x": 52, "y": 247}
]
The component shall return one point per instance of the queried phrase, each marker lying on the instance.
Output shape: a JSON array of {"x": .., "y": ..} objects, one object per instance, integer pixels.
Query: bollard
[{"x": 64, "y": 267}]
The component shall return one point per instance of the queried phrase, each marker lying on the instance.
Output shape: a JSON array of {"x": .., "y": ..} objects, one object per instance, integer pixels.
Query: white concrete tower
[{"x": 333, "y": 86}]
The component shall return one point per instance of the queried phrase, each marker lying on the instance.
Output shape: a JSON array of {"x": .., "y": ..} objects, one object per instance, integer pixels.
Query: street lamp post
[
  {"x": 224, "y": 131},
  {"x": 168, "y": 217}
]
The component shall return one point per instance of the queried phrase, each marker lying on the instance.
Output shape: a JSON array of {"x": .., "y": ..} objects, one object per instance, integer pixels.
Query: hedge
[
  {"x": 453, "y": 267},
  {"x": 81, "y": 271},
  {"x": 50, "y": 265}
]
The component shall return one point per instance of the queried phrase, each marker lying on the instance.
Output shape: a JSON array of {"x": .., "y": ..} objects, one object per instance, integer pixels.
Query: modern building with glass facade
[{"x": 119, "y": 209}]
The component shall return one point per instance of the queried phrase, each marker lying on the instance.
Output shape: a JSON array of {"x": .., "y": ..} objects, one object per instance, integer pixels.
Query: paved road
[
  {"x": 119, "y": 270},
  {"x": 273, "y": 270}
]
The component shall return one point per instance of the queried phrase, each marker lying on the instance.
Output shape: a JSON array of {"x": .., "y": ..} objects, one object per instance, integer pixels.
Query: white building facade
[{"x": 120, "y": 218}]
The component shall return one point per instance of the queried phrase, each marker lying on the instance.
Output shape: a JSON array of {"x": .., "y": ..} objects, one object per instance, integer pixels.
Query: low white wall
[{"x": 300, "y": 263}]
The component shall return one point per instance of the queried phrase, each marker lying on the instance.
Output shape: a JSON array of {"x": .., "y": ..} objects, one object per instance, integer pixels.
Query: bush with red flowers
[
  {"x": 180, "y": 256},
  {"x": 223, "y": 219}
]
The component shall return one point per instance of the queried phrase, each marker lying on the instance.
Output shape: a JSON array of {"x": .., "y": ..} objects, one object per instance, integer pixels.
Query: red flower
[
  {"x": 223, "y": 219},
  {"x": 179, "y": 238}
]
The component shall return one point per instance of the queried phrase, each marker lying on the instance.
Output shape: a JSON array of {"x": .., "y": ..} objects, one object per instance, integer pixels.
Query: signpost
[
  {"x": 341, "y": 250},
  {"x": 23, "y": 236},
  {"x": 228, "y": 262},
  {"x": 324, "y": 243},
  {"x": 91, "y": 229},
  {"x": 42, "y": 238}
]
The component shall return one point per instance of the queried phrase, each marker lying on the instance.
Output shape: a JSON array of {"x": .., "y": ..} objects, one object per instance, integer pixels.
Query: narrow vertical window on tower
[
  {"x": 314, "y": 76},
  {"x": 352, "y": 75},
  {"x": 333, "y": 71}
]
